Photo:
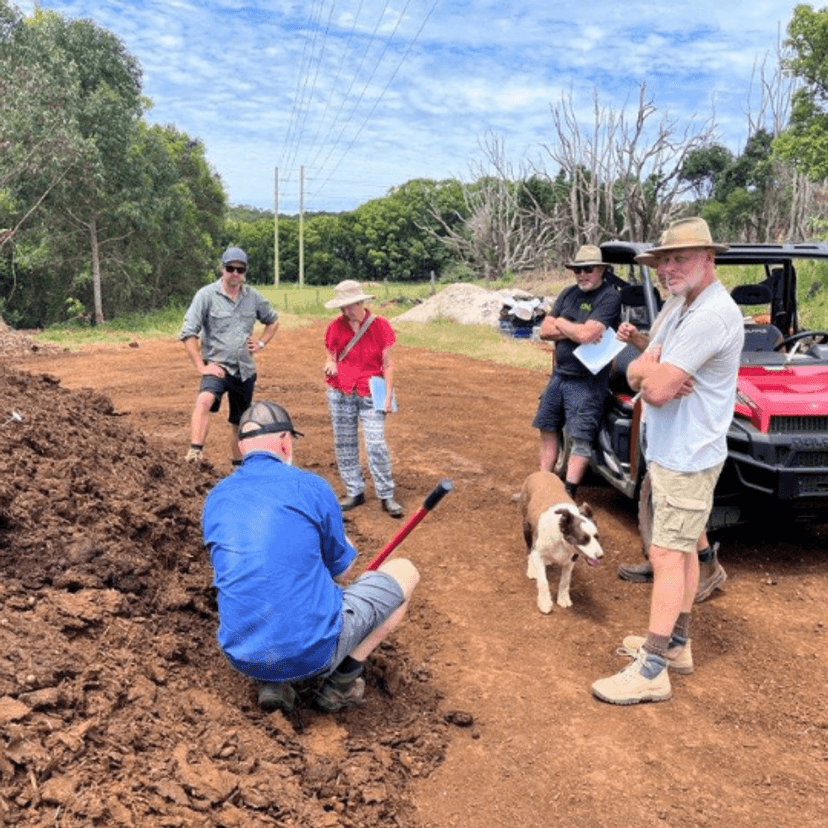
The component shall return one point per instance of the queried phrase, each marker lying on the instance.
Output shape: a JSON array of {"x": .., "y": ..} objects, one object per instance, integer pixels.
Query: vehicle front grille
[
  {"x": 809, "y": 460},
  {"x": 798, "y": 424},
  {"x": 814, "y": 485}
]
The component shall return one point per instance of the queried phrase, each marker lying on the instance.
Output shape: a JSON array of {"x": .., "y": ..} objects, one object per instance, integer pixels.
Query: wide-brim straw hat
[
  {"x": 348, "y": 293},
  {"x": 683, "y": 233},
  {"x": 588, "y": 254}
]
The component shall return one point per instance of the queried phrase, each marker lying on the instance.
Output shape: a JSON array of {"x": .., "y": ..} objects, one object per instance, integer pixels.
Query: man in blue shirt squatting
[
  {"x": 218, "y": 336},
  {"x": 574, "y": 397},
  {"x": 281, "y": 560}
]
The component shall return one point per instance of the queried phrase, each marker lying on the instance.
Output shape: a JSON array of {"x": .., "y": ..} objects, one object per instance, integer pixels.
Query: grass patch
[
  {"x": 475, "y": 341},
  {"x": 299, "y": 307},
  {"x": 391, "y": 299}
]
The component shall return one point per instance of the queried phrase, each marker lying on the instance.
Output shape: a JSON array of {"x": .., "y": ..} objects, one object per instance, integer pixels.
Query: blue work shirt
[{"x": 276, "y": 542}]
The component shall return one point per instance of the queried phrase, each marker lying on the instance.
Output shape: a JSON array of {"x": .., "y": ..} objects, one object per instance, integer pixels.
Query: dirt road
[{"x": 118, "y": 709}]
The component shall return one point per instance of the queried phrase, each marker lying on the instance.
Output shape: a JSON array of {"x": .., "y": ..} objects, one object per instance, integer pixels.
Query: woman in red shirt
[{"x": 359, "y": 348}]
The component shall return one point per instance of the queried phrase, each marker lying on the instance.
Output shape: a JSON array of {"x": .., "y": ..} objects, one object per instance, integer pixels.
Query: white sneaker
[
  {"x": 679, "y": 659},
  {"x": 631, "y": 686}
]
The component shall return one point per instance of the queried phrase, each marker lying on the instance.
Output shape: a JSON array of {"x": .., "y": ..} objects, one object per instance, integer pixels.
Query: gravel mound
[{"x": 464, "y": 303}]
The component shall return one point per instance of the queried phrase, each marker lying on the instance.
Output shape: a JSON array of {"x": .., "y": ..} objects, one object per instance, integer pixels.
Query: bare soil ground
[{"x": 117, "y": 709}]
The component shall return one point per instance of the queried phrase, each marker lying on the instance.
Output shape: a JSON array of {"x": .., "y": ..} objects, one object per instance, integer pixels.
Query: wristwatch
[{"x": 261, "y": 344}]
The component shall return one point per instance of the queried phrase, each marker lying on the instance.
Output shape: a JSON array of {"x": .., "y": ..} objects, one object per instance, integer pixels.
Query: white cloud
[{"x": 369, "y": 94}]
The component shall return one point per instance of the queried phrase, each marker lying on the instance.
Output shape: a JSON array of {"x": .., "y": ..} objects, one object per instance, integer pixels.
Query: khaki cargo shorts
[{"x": 681, "y": 505}]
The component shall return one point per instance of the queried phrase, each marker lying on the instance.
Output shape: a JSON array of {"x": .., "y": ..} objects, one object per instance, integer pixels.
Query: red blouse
[{"x": 364, "y": 360}]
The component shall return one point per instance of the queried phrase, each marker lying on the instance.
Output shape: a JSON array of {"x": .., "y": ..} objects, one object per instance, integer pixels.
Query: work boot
[
  {"x": 339, "y": 692},
  {"x": 194, "y": 455},
  {"x": 351, "y": 502},
  {"x": 275, "y": 695},
  {"x": 392, "y": 507},
  {"x": 644, "y": 679},
  {"x": 679, "y": 657},
  {"x": 711, "y": 578},
  {"x": 640, "y": 572}
]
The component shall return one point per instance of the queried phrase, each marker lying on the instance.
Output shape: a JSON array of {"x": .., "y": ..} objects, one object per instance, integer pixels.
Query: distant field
[{"x": 299, "y": 306}]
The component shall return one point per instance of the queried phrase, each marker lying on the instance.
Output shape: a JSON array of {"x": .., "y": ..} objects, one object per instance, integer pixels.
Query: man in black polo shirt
[{"x": 574, "y": 397}]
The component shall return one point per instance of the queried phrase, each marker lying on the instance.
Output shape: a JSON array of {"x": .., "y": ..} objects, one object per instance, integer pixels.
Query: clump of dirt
[
  {"x": 14, "y": 344},
  {"x": 116, "y": 706}
]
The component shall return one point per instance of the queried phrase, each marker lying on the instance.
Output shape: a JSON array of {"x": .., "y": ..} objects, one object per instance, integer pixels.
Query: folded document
[{"x": 597, "y": 355}]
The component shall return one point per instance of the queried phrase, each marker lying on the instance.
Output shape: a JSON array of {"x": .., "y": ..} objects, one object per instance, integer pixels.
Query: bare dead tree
[
  {"x": 649, "y": 158},
  {"x": 622, "y": 171},
  {"x": 505, "y": 229}
]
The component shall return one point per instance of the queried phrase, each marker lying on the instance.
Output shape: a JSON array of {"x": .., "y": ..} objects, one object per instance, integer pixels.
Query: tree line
[{"x": 104, "y": 214}]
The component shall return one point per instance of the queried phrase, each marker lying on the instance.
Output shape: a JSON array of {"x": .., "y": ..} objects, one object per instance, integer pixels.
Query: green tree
[
  {"x": 805, "y": 142},
  {"x": 106, "y": 106},
  {"x": 38, "y": 134},
  {"x": 175, "y": 207},
  {"x": 703, "y": 166}
]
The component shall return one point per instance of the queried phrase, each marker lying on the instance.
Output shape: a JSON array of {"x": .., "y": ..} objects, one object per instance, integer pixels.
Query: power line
[
  {"x": 300, "y": 109},
  {"x": 382, "y": 94},
  {"x": 298, "y": 106}
]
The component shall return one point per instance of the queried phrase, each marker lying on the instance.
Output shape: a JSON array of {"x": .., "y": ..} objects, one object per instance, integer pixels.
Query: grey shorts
[
  {"x": 367, "y": 604},
  {"x": 681, "y": 505}
]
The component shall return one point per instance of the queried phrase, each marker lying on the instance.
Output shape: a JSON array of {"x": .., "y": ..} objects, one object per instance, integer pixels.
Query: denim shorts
[
  {"x": 366, "y": 604},
  {"x": 572, "y": 404},
  {"x": 681, "y": 505}
]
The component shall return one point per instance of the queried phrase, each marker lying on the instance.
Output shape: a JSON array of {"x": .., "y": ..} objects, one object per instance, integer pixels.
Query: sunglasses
[
  {"x": 577, "y": 270},
  {"x": 236, "y": 268}
]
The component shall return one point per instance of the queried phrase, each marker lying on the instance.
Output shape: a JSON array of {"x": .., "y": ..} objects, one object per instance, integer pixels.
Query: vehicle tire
[
  {"x": 562, "y": 460},
  {"x": 645, "y": 514}
]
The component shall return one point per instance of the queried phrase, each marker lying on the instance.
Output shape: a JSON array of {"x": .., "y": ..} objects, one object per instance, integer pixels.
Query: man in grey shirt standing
[{"x": 218, "y": 335}]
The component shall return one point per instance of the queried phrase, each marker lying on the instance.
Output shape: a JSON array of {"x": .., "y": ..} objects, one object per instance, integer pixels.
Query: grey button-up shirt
[{"x": 224, "y": 325}]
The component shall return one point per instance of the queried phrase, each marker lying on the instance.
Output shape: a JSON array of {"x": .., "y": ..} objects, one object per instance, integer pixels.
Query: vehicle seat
[
  {"x": 758, "y": 337},
  {"x": 633, "y": 306}
]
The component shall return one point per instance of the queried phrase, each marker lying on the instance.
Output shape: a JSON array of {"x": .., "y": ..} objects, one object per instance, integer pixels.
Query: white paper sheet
[{"x": 597, "y": 355}]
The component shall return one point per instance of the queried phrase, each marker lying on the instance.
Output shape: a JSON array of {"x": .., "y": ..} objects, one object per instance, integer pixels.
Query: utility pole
[
  {"x": 301, "y": 227},
  {"x": 276, "y": 228}
]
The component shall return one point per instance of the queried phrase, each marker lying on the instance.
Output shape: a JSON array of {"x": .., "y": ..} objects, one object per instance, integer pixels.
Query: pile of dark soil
[{"x": 116, "y": 706}]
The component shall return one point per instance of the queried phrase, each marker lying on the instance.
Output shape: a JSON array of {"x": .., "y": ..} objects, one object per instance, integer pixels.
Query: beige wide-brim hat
[
  {"x": 687, "y": 232},
  {"x": 348, "y": 293},
  {"x": 588, "y": 254}
]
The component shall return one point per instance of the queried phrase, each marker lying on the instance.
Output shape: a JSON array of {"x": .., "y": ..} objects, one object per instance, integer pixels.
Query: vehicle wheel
[
  {"x": 562, "y": 460},
  {"x": 645, "y": 514}
]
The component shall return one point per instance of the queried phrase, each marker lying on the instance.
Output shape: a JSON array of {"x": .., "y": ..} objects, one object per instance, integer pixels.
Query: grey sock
[
  {"x": 681, "y": 632},
  {"x": 656, "y": 644}
]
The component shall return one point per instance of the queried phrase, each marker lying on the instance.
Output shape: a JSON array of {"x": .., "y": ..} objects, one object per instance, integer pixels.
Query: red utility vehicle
[{"x": 777, "y": 462}]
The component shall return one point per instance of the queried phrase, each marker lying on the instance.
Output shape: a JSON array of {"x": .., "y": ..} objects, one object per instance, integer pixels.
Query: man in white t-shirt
[
  {"x": 698, "y": 347},
  {"x": 712, "y": 574}
]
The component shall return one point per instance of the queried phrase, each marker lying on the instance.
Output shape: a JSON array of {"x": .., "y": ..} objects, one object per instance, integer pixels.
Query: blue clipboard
[{"x": 377, "y": 386}]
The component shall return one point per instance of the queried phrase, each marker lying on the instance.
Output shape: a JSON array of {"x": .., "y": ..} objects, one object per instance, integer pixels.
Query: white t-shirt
[{"x": 689, "y": 434}]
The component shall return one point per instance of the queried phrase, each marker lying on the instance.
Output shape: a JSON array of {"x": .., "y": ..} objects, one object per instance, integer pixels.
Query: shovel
[
  {"x": 15, "y": 418},
  {"x": 439, "y": 492}
]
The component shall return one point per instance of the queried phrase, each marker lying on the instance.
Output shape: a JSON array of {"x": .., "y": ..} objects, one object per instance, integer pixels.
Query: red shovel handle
[{"x": 439, "y": 492}]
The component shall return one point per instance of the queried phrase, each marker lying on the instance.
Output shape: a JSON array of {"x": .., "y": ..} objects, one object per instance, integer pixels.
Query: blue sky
[{"x": 368, "y": 94}]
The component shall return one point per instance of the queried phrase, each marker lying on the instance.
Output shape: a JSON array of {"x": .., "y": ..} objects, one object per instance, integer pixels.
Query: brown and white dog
[{"x": 556, "y": 531}]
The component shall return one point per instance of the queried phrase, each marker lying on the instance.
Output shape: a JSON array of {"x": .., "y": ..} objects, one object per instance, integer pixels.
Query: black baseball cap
[{"x": 267, "y": 418}]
